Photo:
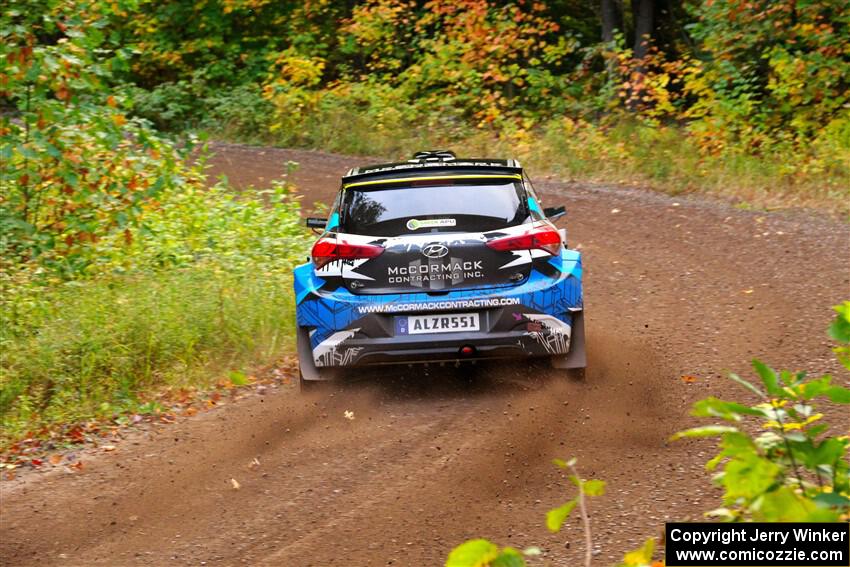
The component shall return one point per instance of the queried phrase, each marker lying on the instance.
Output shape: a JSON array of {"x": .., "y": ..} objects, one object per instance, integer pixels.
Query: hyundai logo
[{"x": 435, "y": 250}]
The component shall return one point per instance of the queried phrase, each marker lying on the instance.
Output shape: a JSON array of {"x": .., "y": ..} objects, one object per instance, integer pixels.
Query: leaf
[
  {"x": 508, "y": 557},
  {"x": 732, "y": 445},
  {"x": 817, "y": 430},
  {"x": 729, "y": 411},
  {"x": 840, "y": 327},
  {"x": 473, "y": 553},
  {"x": 642, "y": 556},
  {"x": 238, "y": 378},
  {"x": 768, "y": 378},
  {"x": 748, "y": 476},
  {"x": 832, "y": 500},
  {"x": 235, "y": 484},
  {"x": 593, "y": 487},
  {"x": 735, "y": 378},
  {"x": 826, "y": 453},
  {"x": 815, "y": 388},
  {"x": 556, "y": 517},
  {"x": 838, "y": 394},
  {"x": 782, "y": 505},
  {"x": 704, "y": 431}
]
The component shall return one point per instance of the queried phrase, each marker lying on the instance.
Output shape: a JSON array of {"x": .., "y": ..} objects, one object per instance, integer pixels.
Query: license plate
[{"x": 423, "y": 324}]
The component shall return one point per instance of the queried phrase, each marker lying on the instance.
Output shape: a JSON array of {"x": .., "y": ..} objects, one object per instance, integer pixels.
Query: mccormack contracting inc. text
[{"x": 757, "y": 544}]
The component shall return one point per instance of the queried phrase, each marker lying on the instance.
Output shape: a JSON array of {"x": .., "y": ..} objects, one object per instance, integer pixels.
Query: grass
[
  {"x": 617, "y": 148},
  {"x": 662, "y": 157},
  {"x": 203, "y": 289},
  {"x": 665, "y": 159},
  {"x": 100, "y": 347}
]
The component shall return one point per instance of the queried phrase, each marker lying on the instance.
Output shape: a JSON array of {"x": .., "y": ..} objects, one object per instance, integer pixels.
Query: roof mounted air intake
[{"x": 434, "y": 155}]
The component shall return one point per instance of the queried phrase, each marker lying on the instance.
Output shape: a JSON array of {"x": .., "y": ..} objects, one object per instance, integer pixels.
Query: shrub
[
  {"x": 75, "y": 169},
  {"x": 204, "y": 287},
  {"x": 237, "y": 113},
  {"x": 120, "y": 272}
]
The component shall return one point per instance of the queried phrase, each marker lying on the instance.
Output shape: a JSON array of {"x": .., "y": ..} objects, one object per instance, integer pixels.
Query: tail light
[
  {"x": 326, "y": 250},
  {"x": 544, "y": 238}
]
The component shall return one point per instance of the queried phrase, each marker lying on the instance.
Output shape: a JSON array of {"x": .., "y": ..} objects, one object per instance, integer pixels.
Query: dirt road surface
[{"x": 433, "y": 456}]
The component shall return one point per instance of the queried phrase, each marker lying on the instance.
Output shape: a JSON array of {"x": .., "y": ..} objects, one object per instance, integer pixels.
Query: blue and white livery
[{"x": 438, "y": 259}]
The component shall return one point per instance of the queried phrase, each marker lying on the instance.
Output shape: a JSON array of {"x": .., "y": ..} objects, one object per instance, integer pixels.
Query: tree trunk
[
  {"x": 612, "y": 19},
  {"x": 643, "y": 12}
]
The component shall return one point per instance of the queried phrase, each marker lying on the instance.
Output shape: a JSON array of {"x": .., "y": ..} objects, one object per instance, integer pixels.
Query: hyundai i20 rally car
[{"x": 438, "y": 259}]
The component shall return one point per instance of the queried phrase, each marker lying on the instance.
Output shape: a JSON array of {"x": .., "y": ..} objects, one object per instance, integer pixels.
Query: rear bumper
[
  {"x": 535, "y": 318},
  {"x": 451, "y": 347}
]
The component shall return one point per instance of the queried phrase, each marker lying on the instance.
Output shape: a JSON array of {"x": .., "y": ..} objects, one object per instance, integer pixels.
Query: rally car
[{"x": 438, "y": 259}]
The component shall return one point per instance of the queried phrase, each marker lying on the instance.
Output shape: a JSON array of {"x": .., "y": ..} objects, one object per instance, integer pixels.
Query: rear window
[{"x": 462, "y": 206}]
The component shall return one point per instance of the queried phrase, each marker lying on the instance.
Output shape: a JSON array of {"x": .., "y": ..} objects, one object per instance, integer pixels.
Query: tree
[
  {"x": 612, "y": 19},
  {"x": 643, "y": 12}
]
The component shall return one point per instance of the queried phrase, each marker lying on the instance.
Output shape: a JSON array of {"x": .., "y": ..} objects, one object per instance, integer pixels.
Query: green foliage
[
  {"x": 213, "y": 226},
  {"x": 204, "y": 286},
  {"x": 483, "y": 553},
  {"x": 237, "y": 113},
  {"x": 640, "y": 557},
  {"x": 776, "y": 69},
  {"x": 121, "y": 272},
  {"x": 790, "y": 472},
  {"x": 219, "y": 42},
  {"x": 731, "y": 98},
  {"x": 556, "y": 517},
  {"x": 115, "y": 341},
  {"x": 840, "y": 332},
  {"x": 75, "y": 168}
]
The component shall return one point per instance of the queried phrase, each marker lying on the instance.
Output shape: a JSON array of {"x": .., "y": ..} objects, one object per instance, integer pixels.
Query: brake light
[
  {"x": 543, "y": 238},
  {"x": 326, "y": 250}
]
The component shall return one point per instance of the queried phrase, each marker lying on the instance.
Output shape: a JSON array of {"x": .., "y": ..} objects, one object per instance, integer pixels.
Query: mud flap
[
  {"x": 306, "y": 364},
  {"x": 576, "y": 357}
]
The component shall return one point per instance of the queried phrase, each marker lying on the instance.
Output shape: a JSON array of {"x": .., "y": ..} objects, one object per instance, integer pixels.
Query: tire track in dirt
[{"x": 673, "y": 286}]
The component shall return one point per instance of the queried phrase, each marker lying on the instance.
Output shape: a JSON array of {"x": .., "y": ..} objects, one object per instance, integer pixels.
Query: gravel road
[{"x": 674, "y": 287}]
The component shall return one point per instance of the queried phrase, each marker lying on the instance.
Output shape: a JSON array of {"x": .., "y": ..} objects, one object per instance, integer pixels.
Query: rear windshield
[{"x": 465, "y": 206}]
